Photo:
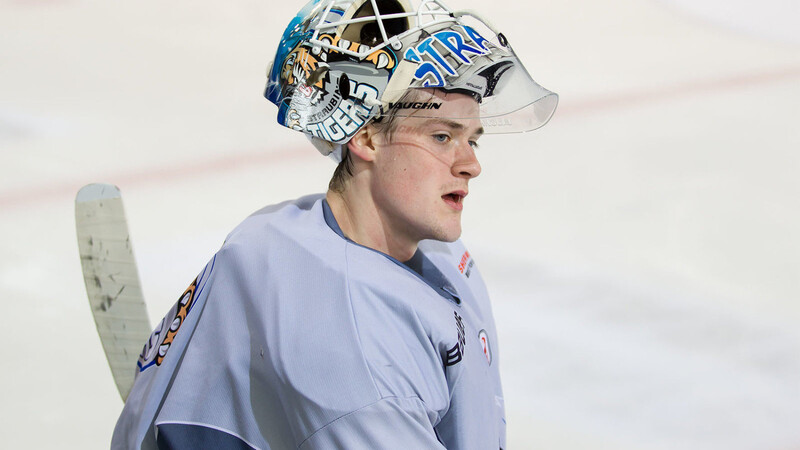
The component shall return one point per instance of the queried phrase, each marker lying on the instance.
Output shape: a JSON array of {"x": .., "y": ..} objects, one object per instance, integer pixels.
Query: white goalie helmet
[{"x": 342, "y": 63}]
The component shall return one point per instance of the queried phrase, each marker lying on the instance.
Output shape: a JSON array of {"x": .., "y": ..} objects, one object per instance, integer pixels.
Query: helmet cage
[{"x": 430, "y": 13}]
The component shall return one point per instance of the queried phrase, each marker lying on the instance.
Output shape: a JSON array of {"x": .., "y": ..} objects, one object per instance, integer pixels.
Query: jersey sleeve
[{"x": 388, "y": 424}]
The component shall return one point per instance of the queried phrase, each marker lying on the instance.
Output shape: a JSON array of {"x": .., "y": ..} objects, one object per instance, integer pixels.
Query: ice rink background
[{"x": 641, "y": 249}]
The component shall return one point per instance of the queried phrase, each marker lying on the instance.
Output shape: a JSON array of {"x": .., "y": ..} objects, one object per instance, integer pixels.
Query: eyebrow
[{"x": 455, "y": 125}]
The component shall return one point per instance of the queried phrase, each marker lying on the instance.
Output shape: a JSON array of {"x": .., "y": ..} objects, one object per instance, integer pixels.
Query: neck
[{"x": 362, "y": 222}]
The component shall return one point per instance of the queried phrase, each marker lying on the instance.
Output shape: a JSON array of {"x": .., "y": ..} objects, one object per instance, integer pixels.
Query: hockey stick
[{"x": 112, "y": 280}]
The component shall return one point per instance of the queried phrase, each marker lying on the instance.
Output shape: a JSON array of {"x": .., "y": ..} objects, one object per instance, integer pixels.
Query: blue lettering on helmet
[
  {"x": 433, "y": 73},
  {"x": 429, "y": 69},
  {"x": 333, "y": 130},
  {"x": 348, "y": 123},
  {"x": 476, "y": 38},
  {"x": 426, "y": 68},
  {"x": 427, "y": 47},
  {"x": 455, "y": 43}
]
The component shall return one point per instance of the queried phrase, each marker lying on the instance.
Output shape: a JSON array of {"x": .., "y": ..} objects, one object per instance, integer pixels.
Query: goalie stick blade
[{"x": 112, "y": 280}]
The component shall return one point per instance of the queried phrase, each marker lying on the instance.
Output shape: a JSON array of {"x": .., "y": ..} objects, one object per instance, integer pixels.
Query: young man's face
[{"x": 422, "y": 170}]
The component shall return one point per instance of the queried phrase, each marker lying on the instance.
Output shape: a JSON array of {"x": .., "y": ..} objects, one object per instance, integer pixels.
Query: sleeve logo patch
[
  {"x": 155, "y": 349},
  {"x": 162, "y": 337}
]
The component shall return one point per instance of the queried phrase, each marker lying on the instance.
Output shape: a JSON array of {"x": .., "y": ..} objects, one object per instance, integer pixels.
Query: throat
[{"x": 368, "y": 228}]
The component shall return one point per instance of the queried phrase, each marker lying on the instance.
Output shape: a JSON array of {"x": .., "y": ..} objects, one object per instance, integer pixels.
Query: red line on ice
[{"x": 19, "y": 197}]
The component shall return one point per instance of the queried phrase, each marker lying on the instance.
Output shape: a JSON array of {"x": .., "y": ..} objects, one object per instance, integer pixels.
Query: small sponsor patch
[
  {"x": 483, "y": 337},
  {"x": 465, "y": 266}
]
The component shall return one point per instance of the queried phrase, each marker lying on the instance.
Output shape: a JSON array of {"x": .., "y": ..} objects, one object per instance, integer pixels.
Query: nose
[{"x": 466, "y": 164}]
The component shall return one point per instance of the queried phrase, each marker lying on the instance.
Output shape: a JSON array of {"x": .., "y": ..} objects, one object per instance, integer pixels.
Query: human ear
[{"x": 362, "y": 144}]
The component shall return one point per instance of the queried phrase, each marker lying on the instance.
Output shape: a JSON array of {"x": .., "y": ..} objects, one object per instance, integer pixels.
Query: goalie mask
[{"x": 342, "y": 63}]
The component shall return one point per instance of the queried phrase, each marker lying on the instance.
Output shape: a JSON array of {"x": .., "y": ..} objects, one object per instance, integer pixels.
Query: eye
[
  {"x": 441, "y": 137},
  {"x": 474, "y": 145}
]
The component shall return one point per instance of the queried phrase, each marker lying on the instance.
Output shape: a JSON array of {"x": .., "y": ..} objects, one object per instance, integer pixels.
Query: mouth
[{"x": 455, "y": 199}]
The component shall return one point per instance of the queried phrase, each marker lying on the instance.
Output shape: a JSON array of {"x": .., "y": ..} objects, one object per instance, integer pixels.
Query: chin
[{"x": 447, "y": 233}]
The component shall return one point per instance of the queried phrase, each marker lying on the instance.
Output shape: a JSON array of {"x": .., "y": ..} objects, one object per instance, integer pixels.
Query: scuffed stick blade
[{"x": 112, "y": 280}]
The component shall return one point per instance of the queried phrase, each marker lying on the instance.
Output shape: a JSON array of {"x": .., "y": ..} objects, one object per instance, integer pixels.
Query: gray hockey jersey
[{"x": 295, "y": 337}]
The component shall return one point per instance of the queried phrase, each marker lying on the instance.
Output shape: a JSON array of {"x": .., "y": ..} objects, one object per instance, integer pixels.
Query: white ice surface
[{"x": 641, "y": 249}]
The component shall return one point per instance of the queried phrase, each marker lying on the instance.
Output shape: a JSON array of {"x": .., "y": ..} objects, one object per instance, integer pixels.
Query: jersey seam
[
  {"x": 413, "y": 397},
  {"x": 355, "y": 320}
]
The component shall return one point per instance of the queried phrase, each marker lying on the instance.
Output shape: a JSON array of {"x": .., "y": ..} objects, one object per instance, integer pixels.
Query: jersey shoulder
[{"x": 288, "y": 217}]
